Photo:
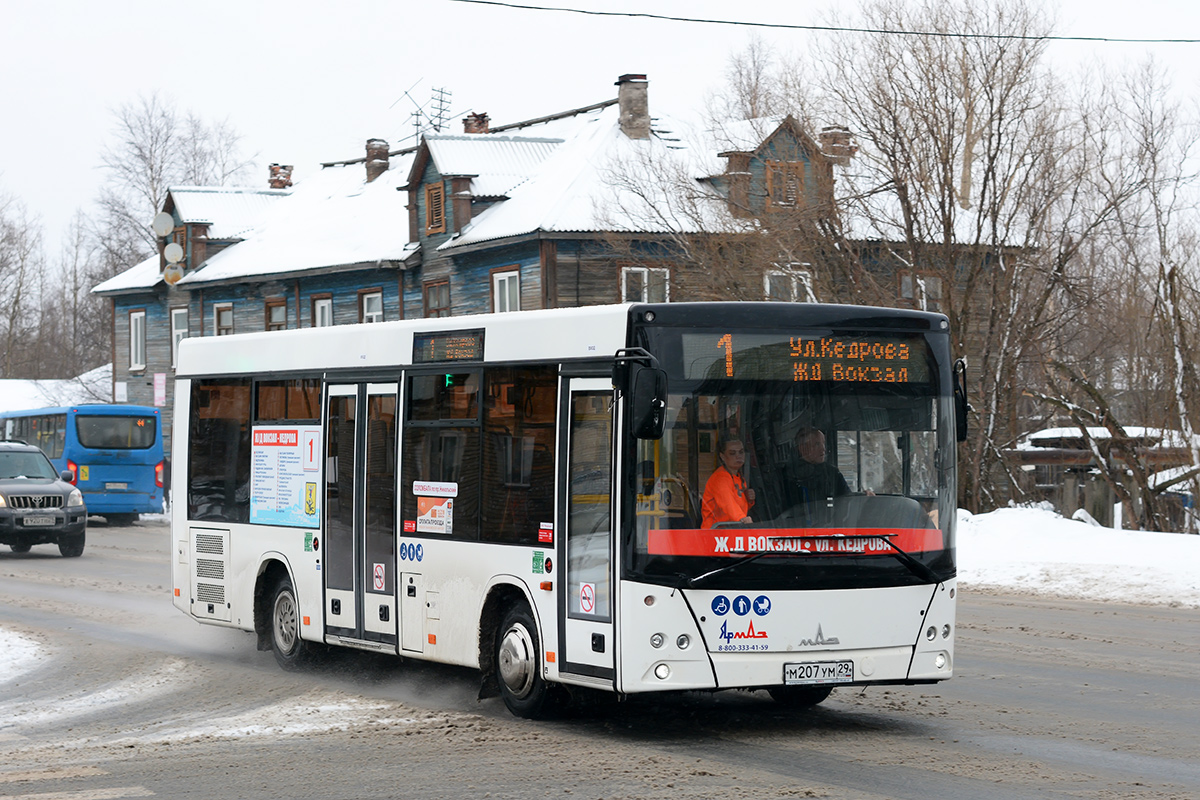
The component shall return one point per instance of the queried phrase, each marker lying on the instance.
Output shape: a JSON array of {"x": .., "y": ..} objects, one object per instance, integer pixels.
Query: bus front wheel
[
  {"x": 519, "y": 664},
  {"x": 291, "y": 652}
]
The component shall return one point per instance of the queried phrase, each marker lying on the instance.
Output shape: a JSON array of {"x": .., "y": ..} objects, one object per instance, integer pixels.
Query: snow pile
[{"x": 1039, "y": 552}]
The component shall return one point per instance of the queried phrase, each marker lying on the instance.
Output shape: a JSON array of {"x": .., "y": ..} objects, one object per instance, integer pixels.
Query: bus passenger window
[
  {"x": 219, "y": 450},
  {"x": 518, "y": 453}
]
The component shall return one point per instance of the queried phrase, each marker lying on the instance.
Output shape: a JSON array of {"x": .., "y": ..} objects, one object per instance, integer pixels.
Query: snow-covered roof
[
  {"x": 142, "y": 276},
  {"x": 496, "y": 163},
  {"x": 1060, "y": 437},
  {"x": 587, "y": 184},
  {"x": 94, "y": 386},
  {"x": 230, "y": 211},
  {"x": 333, "y": 218}
]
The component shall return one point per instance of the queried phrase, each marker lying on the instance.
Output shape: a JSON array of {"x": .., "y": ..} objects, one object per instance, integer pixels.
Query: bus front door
[
  {"x": 586, "y": 611},
  {"x": 360, "y": 513}
]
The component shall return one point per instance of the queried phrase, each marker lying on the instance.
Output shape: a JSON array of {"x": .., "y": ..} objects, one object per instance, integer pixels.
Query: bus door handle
[
  {"x": 412, "y": 591},
  {"x": 598, "y": 642}
]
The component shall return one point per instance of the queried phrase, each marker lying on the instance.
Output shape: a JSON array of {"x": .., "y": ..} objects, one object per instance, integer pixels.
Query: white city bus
[{"x": 522, "y": 493}]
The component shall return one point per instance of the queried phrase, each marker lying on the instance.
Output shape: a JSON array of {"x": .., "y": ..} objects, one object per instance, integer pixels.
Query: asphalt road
[{"x": 1051, "y": 699}]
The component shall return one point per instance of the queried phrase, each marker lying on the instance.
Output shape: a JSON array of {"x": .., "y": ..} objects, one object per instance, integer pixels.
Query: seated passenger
[
  {"x": 815, "y": 479},
  {"x": 726, "y": 498}
]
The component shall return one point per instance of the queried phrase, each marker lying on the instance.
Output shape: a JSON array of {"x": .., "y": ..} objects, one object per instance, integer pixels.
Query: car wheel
[
  {"x": 519, "y": 664},
  {"x": 799, "y": 697},
  {"x": 291, "y": 652},
  {"x": 71, "y": 546},
  {"x": 20, "y": 548}
]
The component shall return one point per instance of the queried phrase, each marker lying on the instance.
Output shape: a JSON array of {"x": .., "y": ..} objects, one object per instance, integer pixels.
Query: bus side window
[
  {"x": 441, "y": 445},
  {"x": 518, "y": 453},
  {"x": 219, "y": 450}
]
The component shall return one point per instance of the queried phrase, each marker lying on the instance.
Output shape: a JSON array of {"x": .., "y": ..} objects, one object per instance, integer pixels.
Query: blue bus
[{"x": 114, "y": 453}]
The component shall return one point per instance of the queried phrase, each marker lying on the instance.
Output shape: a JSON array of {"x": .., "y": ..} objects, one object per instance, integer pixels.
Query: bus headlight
[
  {"x": 75, "y": 498},
  {"x": 945, "y": 631},
  {"x": 662, "y": 672},
  {"x": 656, "y": 640},
  {"x": 931, "y": 633},
  {"x": 683, "y": 642},
  {"x": 939, "y": 661}
]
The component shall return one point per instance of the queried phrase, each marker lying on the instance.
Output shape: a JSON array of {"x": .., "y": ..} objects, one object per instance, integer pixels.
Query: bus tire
[
  {"x": 519, "y": 664},
  {"x": 291, "y": 651},
  {"x": 71, "y": 546},
  {"x": 799, "y": 697}
]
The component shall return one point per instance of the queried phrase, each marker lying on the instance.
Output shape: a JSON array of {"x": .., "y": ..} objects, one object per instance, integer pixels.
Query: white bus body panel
[{"x": 881, "y": 630}]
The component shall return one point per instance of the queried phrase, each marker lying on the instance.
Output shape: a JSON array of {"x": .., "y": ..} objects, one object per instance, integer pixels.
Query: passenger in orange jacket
[{"x": 726, "y": 498}]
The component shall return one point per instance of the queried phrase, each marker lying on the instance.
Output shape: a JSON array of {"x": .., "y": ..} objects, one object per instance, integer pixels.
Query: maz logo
[{"x": 820, "y": 640}]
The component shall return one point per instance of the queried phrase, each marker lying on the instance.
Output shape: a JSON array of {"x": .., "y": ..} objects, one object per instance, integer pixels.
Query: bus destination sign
[
  {"x": 832, "y": 357},
  {"x": 429, "y": 348}
]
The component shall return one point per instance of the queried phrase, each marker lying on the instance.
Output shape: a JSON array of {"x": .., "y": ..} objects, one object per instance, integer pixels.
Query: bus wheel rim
[
  {"x": 517, "y": 660},
  {"x": 285, "y": 622}
]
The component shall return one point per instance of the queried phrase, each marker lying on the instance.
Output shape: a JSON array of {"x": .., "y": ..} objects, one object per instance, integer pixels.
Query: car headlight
[
  {"x": 75, "y": 498},
  {"x": 3, "y": 504}
]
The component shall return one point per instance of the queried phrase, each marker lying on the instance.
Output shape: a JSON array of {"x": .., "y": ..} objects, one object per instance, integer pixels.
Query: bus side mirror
[
  {"x": 961, "y": 407},
  {"x": 648, "y": 401}
]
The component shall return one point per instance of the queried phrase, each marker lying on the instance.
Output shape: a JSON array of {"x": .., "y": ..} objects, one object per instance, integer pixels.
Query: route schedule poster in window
[{"x": 285, "y": 471}]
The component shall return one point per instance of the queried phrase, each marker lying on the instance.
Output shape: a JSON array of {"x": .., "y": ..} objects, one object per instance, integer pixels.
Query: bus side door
[
  {"x": 360, "y": 512},
  {"x": 586, "y": 596}
]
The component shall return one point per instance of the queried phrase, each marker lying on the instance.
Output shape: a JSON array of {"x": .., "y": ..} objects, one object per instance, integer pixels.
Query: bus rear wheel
[
  {"x": 519, "y": 664},
  {"x": 291, "y": 651},
  {"x": 799, "y": 697}
]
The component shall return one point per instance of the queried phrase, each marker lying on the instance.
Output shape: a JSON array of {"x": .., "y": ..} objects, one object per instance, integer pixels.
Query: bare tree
[{"x": 21, "y": 267}]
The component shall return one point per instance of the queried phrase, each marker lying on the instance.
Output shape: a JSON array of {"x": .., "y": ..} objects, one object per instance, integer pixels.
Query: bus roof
[
  {"x": 113, "y": 409},
  {"x": 559, "y": 334}
]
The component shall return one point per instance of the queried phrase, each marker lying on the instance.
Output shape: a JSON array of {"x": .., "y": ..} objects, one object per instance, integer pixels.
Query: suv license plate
[
  {"x": 809, "y": 672},
  {"x": 114, "y": 487},
  {"x": 31, "y": 522}
]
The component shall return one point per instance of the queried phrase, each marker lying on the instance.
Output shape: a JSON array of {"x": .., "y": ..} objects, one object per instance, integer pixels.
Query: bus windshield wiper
[{"x": 746, "y": 559}]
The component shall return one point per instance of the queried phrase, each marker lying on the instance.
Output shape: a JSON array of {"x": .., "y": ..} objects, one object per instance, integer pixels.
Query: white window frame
[
  {"x": 506, "y": 287},
  {"x": 645, "y": 273},
  {"x": 801, "y": 281},
  {"x": 137, "y": 340},
  {"x": 217, "y": 309},
  {"x": 371, "y": 316},
  {"x": 179, "y": 332},
  {"x": 323, "y": 312}
]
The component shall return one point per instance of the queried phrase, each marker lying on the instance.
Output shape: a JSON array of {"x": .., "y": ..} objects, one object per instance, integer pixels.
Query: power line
[{"x": 826, "y": 28}]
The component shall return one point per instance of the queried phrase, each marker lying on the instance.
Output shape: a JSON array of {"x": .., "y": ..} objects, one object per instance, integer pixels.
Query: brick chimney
[
  {"x": 476, "y": 123},
  {"x": 281, "y": 176},
  {"x": 837, "y": 144},
  {"x": 377, "y": 158},
  {"x": 635, "y": 106}
]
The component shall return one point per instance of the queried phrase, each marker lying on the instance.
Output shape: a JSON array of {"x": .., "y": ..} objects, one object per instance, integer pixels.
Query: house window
[
  {"x": 437, "y": 299},
  {"x": 435, "y": 209},
  {"x": 179, "y": 331},
  {"x": 322, "y": 312},
  {"x": 223, "y": 319},
  {"x": 506, "y": 291},
  {"x": 370, "y": 306},
  {"x": 276, "y": 314},
  {"x": 785, "y": 183},
  {"x": 179, "y": 237},
  {"x": 789, "y": 285},
  {"x": 645, "y": 285},
  {"x": 921, "y": 291},
  {"x": 137, "y": 340}
]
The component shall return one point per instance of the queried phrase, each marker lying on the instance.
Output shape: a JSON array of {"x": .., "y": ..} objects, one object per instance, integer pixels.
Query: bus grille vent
[
  {"x": 35, "y": 501},
  {"x": 208, "y": 568},
  {"x": 212, "y": 545},
  {"x": 210, "y": 593}
]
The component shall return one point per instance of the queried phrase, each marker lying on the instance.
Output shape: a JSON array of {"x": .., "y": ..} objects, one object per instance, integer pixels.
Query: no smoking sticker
[
  {"x": 587, "y": 598},
  {"x": 379, "y": 577}
]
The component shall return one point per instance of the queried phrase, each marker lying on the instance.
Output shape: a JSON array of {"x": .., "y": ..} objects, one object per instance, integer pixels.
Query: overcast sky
[{"x": 306, "y": 81}]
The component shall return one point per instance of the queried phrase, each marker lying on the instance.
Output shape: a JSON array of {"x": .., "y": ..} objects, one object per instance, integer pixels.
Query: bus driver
[
  {"x": 726, "y": 498},
  {"x": 816, "y": 479}
]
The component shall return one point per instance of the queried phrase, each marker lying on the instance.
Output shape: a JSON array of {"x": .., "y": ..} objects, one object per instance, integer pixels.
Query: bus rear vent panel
[{"x": 210, "y": 566}]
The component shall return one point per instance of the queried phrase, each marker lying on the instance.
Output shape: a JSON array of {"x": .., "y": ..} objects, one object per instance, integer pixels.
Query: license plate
[
  {"x": 38, "y": 521},
  {"x": 113, "y": 487},
  {"x": 818, "y": 672}
]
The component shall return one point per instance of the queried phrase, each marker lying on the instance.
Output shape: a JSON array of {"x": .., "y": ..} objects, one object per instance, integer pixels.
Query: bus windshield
[
  {"x": 109, "y": 432},
  {"x": 799, "y": 462}
]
